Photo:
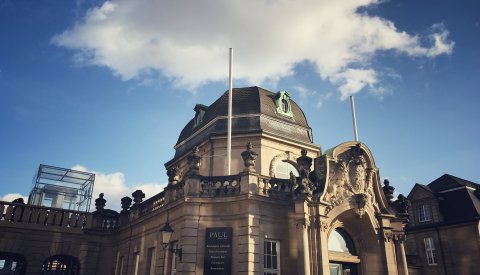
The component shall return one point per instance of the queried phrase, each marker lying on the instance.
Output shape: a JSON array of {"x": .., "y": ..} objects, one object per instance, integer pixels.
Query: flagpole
[
  {"x": 354, "y": 118},
  {"x": 229, "y": 131}
]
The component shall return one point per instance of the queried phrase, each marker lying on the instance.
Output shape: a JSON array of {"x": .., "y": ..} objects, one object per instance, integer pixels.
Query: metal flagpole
[
  {"x": 229, "y": 131},
  {"x": 354, "y": 118}
]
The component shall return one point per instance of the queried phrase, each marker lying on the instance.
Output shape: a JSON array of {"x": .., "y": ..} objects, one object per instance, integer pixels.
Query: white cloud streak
[
  {"x": 187, "y": 40},
  {"x": 114, "y": 188}
]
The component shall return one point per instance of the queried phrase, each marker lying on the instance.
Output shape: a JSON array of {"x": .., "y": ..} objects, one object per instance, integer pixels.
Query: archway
[
  {"x": 12, "y": 264},
  {"x": 61, "y": 265}
]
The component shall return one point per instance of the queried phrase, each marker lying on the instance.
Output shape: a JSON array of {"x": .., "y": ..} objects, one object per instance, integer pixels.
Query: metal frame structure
[{"x": 62, "y": 185}]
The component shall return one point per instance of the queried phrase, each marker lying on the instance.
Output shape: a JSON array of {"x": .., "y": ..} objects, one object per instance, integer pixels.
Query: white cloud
[
  {"x": 187, "y": 40},
  {"x": 114, "y": 188},
  {"x": 13, "y": 196}
]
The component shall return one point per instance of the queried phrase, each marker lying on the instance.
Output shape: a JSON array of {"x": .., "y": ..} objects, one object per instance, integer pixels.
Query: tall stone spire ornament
[
  {"x": 249, "y": 158},
  {"x": 194, "y": 161}
]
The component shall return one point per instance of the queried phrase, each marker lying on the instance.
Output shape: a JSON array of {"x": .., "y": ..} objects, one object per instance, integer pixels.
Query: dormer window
[
  {"x": 424, "y": 213},
  {"x": 282, "y": 102},
  {"x": 199, "y": 113}
]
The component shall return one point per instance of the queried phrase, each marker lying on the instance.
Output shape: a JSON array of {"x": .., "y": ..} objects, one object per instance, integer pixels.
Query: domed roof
[{"x": 254, "y": 110}]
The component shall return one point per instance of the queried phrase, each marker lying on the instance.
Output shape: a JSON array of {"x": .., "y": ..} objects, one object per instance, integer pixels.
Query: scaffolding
[{"x": 62, "y": 188}]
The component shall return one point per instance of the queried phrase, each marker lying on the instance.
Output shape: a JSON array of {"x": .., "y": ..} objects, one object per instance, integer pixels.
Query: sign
[{"x": 218, "y": 251}]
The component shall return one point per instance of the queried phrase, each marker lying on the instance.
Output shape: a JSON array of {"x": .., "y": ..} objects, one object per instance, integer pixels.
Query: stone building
[
  {"x": 286, "y": 208},
  {"x": 443, "y": 235}
]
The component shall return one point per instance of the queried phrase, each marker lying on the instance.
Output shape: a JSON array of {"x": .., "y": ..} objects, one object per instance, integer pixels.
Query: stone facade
[{"x": 278, "y": 225}]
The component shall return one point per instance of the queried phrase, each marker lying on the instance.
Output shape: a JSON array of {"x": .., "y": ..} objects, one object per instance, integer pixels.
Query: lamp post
[{"x": 167, "y": 232}]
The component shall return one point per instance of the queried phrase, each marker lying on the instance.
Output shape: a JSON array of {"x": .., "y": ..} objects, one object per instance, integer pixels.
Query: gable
[{"x": 420, "y": 192}]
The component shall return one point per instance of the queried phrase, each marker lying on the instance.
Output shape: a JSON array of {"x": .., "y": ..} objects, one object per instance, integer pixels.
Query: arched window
[
  {"x": 61, "y": 265},
  {"x": 285, "y": 106},
  {"x": 342, "y": 253},
  {"x": 339, "y": 241},
  {"x": 12, "y": 264},
  {"x": 283, "y": 169}
]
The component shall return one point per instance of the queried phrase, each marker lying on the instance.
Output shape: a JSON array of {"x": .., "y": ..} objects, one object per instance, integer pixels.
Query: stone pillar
[
  {"x": 303, "y": 224},
  {"x": 322, "y": 243},
  {"x": 248, "y": 183},
  {"x": 389, "y": 252},
  {"x": 401, "y": 257},
  {"x": 192, "y": 185},
  {"x": 250, "y": 250},
  {"x": 188, "y": 240}
]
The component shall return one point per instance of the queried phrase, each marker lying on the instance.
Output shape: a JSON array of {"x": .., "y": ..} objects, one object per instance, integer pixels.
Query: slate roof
[
  {"x": 459, "y": 205},
  {"x": 247, "y": 100},
  {"x": 257, "y": 109},
  {"x": 447, "y": 181},
  {"x": 456, "y": 198}
]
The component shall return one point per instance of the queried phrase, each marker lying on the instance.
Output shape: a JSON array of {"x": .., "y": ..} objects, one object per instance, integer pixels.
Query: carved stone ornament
[
  {"x": 174, "y": 175},
  {"x": 304, "y": 163},
  {"x": 350, "y": 180},
  {"x": 126, "y": 203},
  {"x": 401, "y": 205},
  {"x": 249, "y": 158},
  {"x": 194, "y": 161},
  {"x": 100, "y": 202},
  {"x": 388, "y": 190},
  {"x": 325, "y": 225},
  {"x": 393, "y": 236},
  {"x": 138, "y": 196}
]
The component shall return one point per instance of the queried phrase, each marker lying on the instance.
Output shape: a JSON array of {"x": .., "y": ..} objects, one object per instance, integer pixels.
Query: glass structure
[{"x": 62, "y": 188}]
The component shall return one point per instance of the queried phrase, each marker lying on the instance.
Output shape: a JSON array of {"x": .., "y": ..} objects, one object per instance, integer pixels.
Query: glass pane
[{"x": 337, "y": 242}]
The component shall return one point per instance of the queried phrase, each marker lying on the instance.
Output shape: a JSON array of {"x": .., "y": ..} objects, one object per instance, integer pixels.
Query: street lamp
[{"x": 167, "y": 232}]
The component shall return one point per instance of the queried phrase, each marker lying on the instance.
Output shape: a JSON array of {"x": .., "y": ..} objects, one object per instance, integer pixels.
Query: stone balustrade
[
  {"x": 154, "y": 203},
  {"x": 220, "y": 186},
  {"x": 43, "y": 216},
  {"x": 273, "y": 187}
]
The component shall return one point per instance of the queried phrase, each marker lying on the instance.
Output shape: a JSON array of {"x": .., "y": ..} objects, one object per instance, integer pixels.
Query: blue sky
[{"x": 107, "y": 86}]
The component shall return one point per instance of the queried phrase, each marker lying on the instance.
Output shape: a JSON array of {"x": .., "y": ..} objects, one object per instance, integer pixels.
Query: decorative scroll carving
[
  {"x": 393, "y": 236},
  {"x": 302, "y": 223},
  {"x": 351, "y": 180},
  {"x": 325, "y": 225}
]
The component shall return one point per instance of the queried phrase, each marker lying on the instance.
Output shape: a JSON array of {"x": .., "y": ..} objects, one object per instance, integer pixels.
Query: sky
[{"x": 107, "y": 86}]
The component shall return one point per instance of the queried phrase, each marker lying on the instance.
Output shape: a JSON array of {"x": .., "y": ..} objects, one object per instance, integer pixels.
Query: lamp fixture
[{"x": 167, "y": 232}]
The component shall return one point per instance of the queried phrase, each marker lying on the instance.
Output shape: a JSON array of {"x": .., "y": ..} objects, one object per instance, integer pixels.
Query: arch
[
  {"x": 12, "y": 263},
  {"x": 288, "y": 157},
  {"x": 367, "y": 254},
  {"x": 61, "y": 265}
]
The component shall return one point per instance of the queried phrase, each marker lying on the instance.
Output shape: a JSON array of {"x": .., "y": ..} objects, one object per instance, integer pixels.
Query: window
[
  {"x": 339, "y": 241},
  {"x": 151, "y": 261},
  {"x": 283, "y": 169},
  {"x": 271, "y": 255},
  {"x": 137, "y": 262},
  {"x": 283, "y": 104},
  {"x": 61, "y": 264},
  {"x": 174, "y": 259},
  {"x": 12, "y": 264},
  {"x": 424, "y": 213},
  {"x": 430, "y": 251},
  {"x": 119, "y": 267}
]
